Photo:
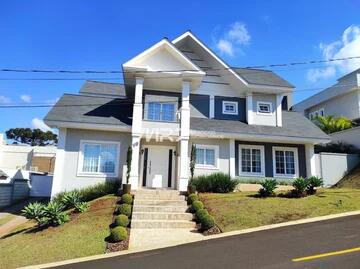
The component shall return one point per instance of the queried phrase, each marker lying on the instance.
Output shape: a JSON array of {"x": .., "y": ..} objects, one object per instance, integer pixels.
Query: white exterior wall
[
  {"x": 333, "y": 166},
  {"x": 264, "y": 119},
  {"x": 223, "y": 155},
  {"x": 69, "y": 178},
  {"x": 19, "y": 156},
  {"x": 350, "y": 136},
  {"x": 346, "y": 105}
]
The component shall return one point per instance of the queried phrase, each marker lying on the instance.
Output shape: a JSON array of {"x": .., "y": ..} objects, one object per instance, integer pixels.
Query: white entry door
[{"x": 159, "y": 164}]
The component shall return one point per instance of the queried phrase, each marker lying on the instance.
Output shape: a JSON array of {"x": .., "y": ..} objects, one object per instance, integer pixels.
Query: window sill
[
  {"x": 175, "y": 121},
  {"x": 285, "y": 176},
  {"x": 251, "y": 175},
  {"x": 206, "y": 167},
  {"x": 98, "y": 175}
]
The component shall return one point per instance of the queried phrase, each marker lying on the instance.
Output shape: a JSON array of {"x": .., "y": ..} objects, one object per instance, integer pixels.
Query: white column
[
  {"x": 59, "y": 163},
  {"x": 212, "y": 107},
  {"x": 249, "y": 108},
  {"x": 232, "y": 158},
  {"x": 136, "y": 134},
  {"x": 310, "y": 160},
  {"x": 279, "y": 98},
  {"x": 184, "y": 137}
]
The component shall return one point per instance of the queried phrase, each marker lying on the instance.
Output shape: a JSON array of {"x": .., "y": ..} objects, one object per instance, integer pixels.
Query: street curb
[{"x": 210, "y": 237}]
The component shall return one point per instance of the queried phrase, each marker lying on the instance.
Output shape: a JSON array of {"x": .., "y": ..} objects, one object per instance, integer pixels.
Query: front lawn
[
  {"x": 83, "y": 236},
  {"x": 240, "y": 210}
]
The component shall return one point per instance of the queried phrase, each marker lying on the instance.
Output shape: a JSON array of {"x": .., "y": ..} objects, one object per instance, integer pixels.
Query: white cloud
[
  {"x": 4, "y": 99},
  {"x": 25, "y": 98},
  {"x": 347, "y": 46},
  {"x": 239, "y": 34},
  {"x": 225, "y": 47},
  {"x": 37, "y": 123},
  {"x": 232, "y": 39}
]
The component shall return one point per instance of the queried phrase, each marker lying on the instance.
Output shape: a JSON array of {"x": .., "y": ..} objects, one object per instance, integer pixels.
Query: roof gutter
[{"x": 87, "y": 126}]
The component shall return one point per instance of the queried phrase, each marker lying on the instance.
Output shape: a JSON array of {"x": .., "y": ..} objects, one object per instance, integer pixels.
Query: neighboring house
[
  {"x": 38, "y": 158},
  {"x": 176, "y": 94},
  {"x": 341, "y": 99}
]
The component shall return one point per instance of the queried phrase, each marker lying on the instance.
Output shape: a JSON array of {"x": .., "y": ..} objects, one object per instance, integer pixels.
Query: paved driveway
[{"x": 273, "y": 249}]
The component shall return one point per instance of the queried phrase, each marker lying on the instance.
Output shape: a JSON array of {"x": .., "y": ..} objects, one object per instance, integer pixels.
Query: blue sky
[{"x": 101, "y": 35}]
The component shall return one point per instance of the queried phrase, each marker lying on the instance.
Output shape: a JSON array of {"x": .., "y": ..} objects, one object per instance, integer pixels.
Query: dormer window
[
  {"x": 230, "y": 108},
  {"x": 264, "y": 108}
]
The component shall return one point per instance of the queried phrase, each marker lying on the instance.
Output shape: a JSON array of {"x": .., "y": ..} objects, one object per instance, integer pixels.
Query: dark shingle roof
[
  {"x": 294, "y": 125},
  {"x": 91, "y": 109},
  {"x": 103, "y": 88},
  {"x": 262, "y": 77}
]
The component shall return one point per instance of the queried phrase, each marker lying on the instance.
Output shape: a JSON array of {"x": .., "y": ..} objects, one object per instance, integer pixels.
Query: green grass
[
  {"x": 82, "y": 236},
  {"x": 242, "y": 210},
  {"x": 351, "y": 180},
  {"x": 6, "y": 219}
]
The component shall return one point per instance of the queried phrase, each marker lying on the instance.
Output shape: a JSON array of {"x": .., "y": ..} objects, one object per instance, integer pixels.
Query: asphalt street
[{"x": 275, "y": 249}]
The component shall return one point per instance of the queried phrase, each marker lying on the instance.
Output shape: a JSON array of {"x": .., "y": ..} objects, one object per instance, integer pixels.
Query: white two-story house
[{"x": 177, "y": 94}]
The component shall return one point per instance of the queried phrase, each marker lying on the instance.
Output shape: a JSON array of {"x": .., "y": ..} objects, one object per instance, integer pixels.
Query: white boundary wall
[{"x": 333, "y": 166}]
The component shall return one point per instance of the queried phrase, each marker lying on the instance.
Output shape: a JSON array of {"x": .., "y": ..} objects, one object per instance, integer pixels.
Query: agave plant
[
  {"x": 81, "y": 207},
  {"x": 71, "y": 199},
  {"x": 34, "y": 211},
  {"x": 53, "y": 212},
  {"x": 300, "y": 185}
]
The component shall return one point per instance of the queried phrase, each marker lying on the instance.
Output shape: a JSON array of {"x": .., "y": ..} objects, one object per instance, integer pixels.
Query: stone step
[
  {"x": 156, "y": 191},
  {"x": 162, "y": 196},
  {"x": 162, "y": 224},
  {"x": 161, "y": 216},
  {"x": 160, "y": 202},
  {"x": 159, "y": 208}
]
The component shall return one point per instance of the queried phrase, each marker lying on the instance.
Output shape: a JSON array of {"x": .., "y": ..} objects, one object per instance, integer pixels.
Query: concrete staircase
[{"x": 160, "y": 209}]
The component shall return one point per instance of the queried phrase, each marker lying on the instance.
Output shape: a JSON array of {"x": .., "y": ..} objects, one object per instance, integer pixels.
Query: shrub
[
  {"x": 124, "y": 209},
  {"x": 127, "y": 199},
  {"x": 313, "y": 183},
  {"x": 122, "y": 220},
  {"x": 300, "y": 184},
  {"x": 207, "y": 222},
  {"x": 191, "y": 198},
  {"x": 98, "y": 190},
  {"x": 118, "y": 234},
  {"x": 54, "y": 215},
  {"x": 34, "y": 211},
  {"x": 196, "y": 205},
  {"x": 200, "y": 214},
  {"x": 268, "y": 187},
  {"x": 217, "y": 182},
  {"x": 81, "y": 207},
  {"x": 71, "y": 199}
]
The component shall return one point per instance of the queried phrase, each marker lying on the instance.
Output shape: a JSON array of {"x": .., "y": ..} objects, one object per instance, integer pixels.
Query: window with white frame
[
  {"x": 99, "y": 158},
  {"x": 230, "y": 107},
  {"x": 251, "y": 160},
  {"x": 161, "y": 111},
  {"x": 264, "y": 107},
  {"x": 285, "y": 162},
  {"x": 313, "y": 115},
  {"x": 206, "y": 156}
]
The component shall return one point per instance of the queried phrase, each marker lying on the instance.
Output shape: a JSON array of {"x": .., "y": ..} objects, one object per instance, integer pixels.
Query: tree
[
  {"x": 128, "y": 163},
  {"x": 192, "y": 160},
  {"x": 330, "y": 124},
  {"x": 32, "y": 137}
]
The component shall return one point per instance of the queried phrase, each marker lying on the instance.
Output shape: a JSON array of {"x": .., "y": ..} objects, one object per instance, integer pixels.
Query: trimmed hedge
[
  {"x": 124, "y": 209},
  {"x": 122, "y": 220},
  {"x": 126, "y": 199},
  {"x": 118, "y": 234},
  {"x": 217, "y": 182}
]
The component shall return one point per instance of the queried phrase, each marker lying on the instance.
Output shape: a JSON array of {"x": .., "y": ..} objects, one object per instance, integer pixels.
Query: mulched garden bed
[{"x": 118, "y": 246}]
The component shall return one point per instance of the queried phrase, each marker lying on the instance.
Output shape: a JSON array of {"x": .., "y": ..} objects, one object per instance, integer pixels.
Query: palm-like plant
[{"x": 330, "y": 124}]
